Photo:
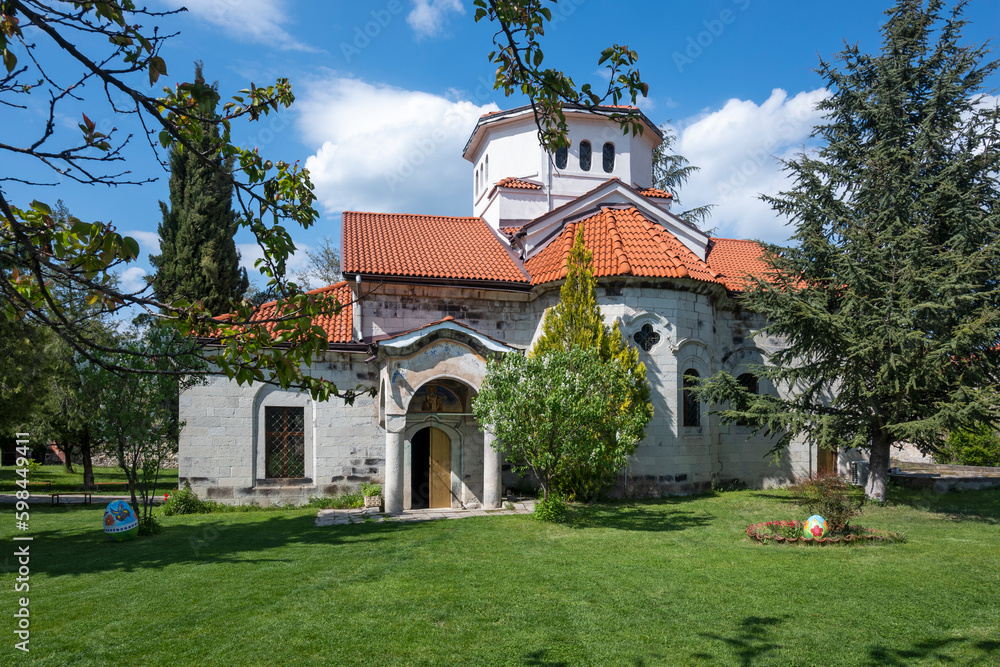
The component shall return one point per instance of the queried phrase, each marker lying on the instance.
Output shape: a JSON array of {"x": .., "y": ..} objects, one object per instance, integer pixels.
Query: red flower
[{"x": 817, "y": 531}]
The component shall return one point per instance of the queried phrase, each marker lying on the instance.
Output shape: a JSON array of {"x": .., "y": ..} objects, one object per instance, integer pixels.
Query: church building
[{"x": 430, "y": 298}]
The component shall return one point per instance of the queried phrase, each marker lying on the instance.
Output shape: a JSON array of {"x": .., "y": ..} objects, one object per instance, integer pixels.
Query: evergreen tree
[
  {"x": 889, "y": 309},
  {"x": 671, "y": 171},
  {"x": 198, "y": 260},
  {"x": 576, "y": 322}
]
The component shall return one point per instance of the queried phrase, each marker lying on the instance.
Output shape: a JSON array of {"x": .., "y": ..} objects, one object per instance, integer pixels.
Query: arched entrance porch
[{"x": 431, "y": 375}]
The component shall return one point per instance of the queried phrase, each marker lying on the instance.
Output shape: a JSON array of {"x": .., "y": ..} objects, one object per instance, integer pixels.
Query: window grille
[
  {"x": 646, "y": 338},
  {"x": 609, "y": 157},
  {"x": 285, "y": 442},
  {"x": 585, "y": 155},
  {"x": 562, "y": 157}
]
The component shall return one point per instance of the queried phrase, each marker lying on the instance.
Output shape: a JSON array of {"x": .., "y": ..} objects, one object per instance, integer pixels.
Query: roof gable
[
  {"x": 624, "y": 242},
  {"x": 613, "y": 192}
]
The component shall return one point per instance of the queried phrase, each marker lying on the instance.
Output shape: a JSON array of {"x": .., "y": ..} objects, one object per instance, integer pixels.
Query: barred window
[
  {"x": 609, "y": 157},
  {"x": 585, "y": 155},
  {"x": 692, "y": 408},
  {"x": 562, "y": 157},
  {"x": 285, "y": 442}
]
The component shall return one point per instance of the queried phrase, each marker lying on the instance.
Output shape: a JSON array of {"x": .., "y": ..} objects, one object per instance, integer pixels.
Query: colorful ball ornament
[
  {"x": 815, "y": 527},
  {"x": 120, "y": 522}
]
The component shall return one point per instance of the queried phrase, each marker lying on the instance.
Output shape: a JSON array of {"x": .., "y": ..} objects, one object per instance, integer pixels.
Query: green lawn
[
  {"x": 63, "y": 481},
  {"x": 670, "y": 582}
]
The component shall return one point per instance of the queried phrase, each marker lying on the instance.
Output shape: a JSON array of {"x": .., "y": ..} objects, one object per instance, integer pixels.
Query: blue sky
[{"x": 388, "y": 92}]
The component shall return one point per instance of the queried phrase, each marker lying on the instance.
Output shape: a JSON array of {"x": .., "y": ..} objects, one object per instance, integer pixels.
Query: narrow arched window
[
  {"x": 585, "y": 155},
  {"x": 562, "y": 157},
  {"x": 609, "y": 157},
  {"x": 692, "y": 408},
  {"x": 486, "y": 172},
  {"x": 749, "y": 382}
]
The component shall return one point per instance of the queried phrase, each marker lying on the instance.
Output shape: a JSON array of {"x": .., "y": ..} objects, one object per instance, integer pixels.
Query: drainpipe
[
  {"x": 357, "y": 307},
  {"x": 548, "y": 190}
]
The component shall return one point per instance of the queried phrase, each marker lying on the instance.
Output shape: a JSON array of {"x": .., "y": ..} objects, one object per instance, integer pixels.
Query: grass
[
  {"x": 63, "y": 481},
  {"x": 673, "y": 581}
]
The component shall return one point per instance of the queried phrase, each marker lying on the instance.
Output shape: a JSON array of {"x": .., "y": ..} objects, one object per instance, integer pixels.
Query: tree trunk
[
  {"x": 878, "y": 468},
  {"x": 88, "y": 462},
  {"x": 67, "y": 451}
]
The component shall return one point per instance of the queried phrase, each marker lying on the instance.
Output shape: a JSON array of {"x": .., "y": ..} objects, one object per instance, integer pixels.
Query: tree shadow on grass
[
  {"x": 652, "y": 515},
  {"x": 202, "y": 541},
  {"x": 982, "y": 506},
  {"x": 938, "y": 650},
  {"x": 751, "y": 640}
]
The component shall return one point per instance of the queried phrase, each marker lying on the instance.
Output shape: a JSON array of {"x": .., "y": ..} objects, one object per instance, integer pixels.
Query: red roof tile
[
  {"x": 624, "y": 243},
  {"x": 517, "y": 183},
  {"x": 339, "y": 327},
  {"x": 431, "y": 246},
  {"x": 654, "y": 192},
  {"x": 735, "y": 260}
]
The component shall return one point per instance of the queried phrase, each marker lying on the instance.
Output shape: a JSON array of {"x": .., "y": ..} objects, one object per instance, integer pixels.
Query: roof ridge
[
  {"x": 568, "y": 248},
  {"x": 416, "y": 215},
  {"x": 616, "y": 240},
  {"x": 654, "y": 231}
]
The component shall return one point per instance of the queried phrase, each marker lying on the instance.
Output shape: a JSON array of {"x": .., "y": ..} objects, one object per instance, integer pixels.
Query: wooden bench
[
  {"x": 47, "y": 485},
  {"x": 98, "y": 485},
  {"x": 87, "y": 496}
]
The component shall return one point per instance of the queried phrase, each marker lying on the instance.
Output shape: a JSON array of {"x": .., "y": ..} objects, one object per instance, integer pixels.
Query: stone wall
[{"x": 697, "y": 326}]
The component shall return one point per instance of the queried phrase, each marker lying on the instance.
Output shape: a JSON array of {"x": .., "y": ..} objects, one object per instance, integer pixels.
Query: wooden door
[
  {"x": 440, "y": 473},
  {"x": 826, "y": 461}
]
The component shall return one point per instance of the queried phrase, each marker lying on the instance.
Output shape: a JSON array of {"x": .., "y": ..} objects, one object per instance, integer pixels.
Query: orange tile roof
[
  {"x": 624, "y": 243},
  {"x": 431, "y": 246},
  {"x": 338, "y": 327},
  {"x": 735, "y": 260},
  {"x": 654, "y": 192},
  {"x": 517, "y": 183}
]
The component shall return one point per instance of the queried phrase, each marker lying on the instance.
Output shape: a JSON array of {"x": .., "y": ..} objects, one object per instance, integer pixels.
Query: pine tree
[
  {"x": 889, "y": 307},
  {"x": 576, "y": 322},
  {"x": 198, "y": 260}
]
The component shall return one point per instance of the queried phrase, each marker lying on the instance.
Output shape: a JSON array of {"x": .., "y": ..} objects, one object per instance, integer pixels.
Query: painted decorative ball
[
  {"x": 120, "y": 522},
  {"x": 815, "y": 527}
]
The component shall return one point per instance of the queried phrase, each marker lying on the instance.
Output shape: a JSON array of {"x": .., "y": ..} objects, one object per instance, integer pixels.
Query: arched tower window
[
  {"x": 692, "y": 408},
  {"x": 486, "y": 173},
  {"x": 562, "y": 157},
  {"x": 609, "y": 157},
  {"x": 585, "y": 155}
]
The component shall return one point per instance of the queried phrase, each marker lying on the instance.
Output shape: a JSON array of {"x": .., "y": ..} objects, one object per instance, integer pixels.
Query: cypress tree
[
  {"x": 889, "y": 307},
  {"x": 198, "y": 260},
  {"x": 576, "y": 322}
]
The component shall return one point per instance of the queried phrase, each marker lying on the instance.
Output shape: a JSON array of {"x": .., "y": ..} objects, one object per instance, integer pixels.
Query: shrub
[
  {"x": 341, "y": 502},
  {"x": 149, "y": 525},
  {"x": 979, "y": 446},
  {"x": 371, "y": 489},
  {"x": 831, "y": 497},
  {"x": 185, "y": 501},
  {"x": 552, "y": 509}
]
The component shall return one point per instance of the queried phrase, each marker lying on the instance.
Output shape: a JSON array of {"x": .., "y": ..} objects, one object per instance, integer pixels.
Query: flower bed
[{"x": 791, "y": 532}]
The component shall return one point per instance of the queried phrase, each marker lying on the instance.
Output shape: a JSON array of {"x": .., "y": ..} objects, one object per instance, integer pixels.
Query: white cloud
[
  {"x": 132, "y": 279},
  {"x": 738, "y": 148},
  {"x": 427, "y": 18},
  {"x": 258, "y": 21},
  {"x": 386, "y": 149}
]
